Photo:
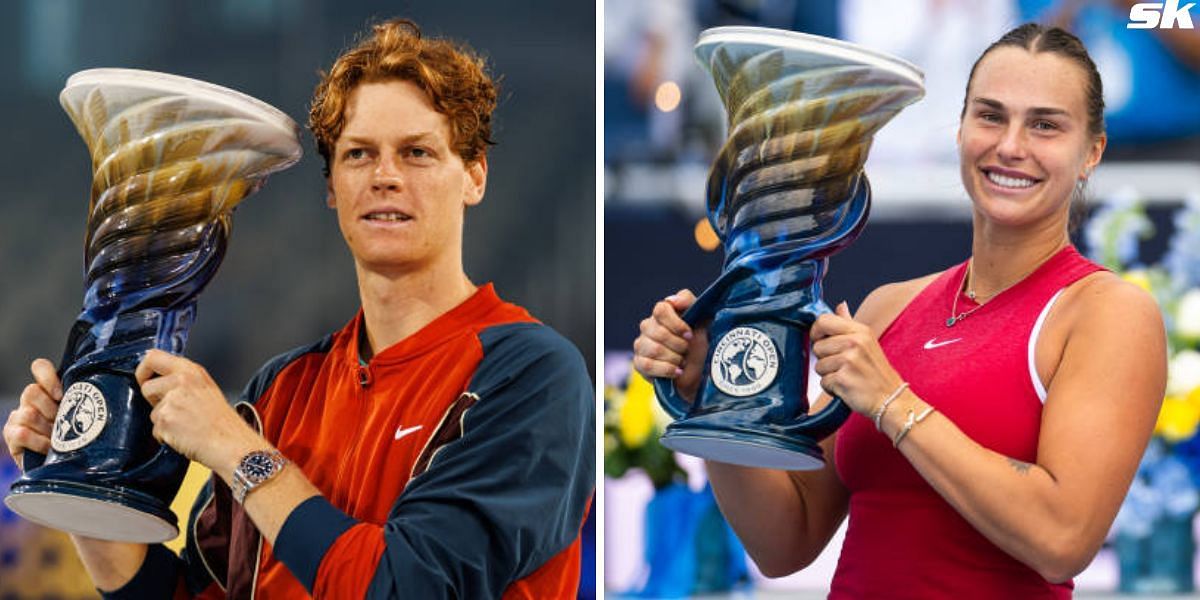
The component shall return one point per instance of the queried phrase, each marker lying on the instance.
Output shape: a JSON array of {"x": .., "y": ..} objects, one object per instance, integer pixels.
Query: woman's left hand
[{"x": 850, "y": 362}]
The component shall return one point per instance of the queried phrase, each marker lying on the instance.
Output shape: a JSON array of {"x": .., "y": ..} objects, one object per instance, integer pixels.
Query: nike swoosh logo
[
  {"x": 933, "y": 343},
  {"x": 401, "y": 432}
]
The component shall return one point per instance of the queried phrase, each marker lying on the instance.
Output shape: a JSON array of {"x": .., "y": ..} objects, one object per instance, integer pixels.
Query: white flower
[
  {"x": 1187, "y": 317},
  {"x": 1183, "y": 253},
  {"x": 1183, "y": 374},
  {"x": 1113, "y": 232}
]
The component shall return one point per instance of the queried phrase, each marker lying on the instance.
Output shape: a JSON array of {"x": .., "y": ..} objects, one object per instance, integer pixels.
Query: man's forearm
[
  {"x": 111, "y": 565},
  {"x": 270, "y": 504}
]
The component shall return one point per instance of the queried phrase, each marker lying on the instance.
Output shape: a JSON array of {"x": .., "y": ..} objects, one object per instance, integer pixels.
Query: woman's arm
[
  {"x": 784, "y": 519},
  {"x": 1100, "y": 411}
]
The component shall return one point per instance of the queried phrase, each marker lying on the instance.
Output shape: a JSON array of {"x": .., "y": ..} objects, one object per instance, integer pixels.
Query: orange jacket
[{"x": 457, "y": 463}]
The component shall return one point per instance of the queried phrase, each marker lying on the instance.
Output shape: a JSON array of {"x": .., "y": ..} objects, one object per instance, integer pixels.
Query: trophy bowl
[
  {"x": 171, "y": 158},
  {"x": 786, "y": 191}
]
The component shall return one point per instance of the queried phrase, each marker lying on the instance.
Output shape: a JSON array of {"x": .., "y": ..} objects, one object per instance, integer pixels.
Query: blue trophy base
[
  {"x": 108, "y": 478},
  {"x": 745, "y": 448},
  {"x": 109, "y": 513}
]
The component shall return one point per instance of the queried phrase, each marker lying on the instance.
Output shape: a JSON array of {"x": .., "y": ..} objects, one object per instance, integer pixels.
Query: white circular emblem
[
  {"x": 744, "y": 362},
  {"x": 81, "y": 417}
]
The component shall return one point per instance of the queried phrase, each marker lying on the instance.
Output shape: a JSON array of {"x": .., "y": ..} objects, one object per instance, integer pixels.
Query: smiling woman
[
  {"x": 1031, "y": 135},
  {"x": 975, "y": 388}
]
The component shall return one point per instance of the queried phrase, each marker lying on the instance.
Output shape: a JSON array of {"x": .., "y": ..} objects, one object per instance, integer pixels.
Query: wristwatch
[{"x": 255, "y": 469}]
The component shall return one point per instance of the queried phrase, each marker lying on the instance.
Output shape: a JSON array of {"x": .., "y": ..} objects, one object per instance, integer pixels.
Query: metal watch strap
[{"x": 242, "y": 485}]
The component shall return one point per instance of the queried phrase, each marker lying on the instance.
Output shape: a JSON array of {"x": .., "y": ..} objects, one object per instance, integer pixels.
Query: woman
[{"x": 1013, "y": 394}]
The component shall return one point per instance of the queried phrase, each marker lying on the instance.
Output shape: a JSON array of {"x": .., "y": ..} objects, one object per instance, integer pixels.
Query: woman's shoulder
[
  {"x": 887, "y": 301},
  {"x": 1103, "y": 298},
  {"x": 1104, "y": 328}
]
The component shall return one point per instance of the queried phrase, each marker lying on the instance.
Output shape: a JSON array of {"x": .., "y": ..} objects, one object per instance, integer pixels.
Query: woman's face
[{"x": 1024, "y": 140}]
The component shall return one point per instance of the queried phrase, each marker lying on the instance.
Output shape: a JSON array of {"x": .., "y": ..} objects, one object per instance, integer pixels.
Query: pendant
[{"x": 951, "y": 321}]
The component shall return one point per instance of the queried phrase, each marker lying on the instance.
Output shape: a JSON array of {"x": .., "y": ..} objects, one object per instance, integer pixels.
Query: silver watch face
[{"x": 258, "y": 466}]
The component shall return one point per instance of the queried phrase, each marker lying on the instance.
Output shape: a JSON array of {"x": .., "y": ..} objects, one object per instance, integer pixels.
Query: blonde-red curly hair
[{"x": 454, "y": 77}]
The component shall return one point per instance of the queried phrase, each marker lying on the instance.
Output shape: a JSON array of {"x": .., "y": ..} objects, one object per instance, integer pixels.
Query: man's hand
[
  {"x": 30, "y": 424},
  {"x": 191, "y": 414}
]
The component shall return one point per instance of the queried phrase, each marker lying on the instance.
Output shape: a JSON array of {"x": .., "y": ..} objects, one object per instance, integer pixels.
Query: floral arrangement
[
  {"x": 688, "y": 548},
  {"x": 1168, "y": 478},
  {"x": 633, "y": 422}
]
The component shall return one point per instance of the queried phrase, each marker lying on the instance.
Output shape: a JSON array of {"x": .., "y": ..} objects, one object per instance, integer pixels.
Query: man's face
[{"x": 399, "y": 189}]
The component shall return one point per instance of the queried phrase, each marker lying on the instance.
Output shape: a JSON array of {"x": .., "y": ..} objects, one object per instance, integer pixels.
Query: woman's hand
[
  {"x": 30, "y": 424},
  {"x": 850, "y": 362},
  {"x": 668, "y": 347}
]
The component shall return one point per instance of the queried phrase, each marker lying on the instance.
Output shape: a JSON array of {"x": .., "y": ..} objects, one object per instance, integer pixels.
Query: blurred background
[
  {"x": 287, "y": 278},
  {"x": 662, "y": 125}
]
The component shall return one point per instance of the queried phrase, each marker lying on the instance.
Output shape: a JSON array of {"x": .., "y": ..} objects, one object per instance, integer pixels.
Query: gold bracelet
[
  {"x": 878, "y": 416},
  {"x": 913, "y": 419}
]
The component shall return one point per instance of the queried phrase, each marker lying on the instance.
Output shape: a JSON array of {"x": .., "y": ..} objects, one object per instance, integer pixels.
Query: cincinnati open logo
[
  {"x": 1163, "y": 15},
  {"x": 744, "y": 362},
  {"x": 81, "y": 417}
]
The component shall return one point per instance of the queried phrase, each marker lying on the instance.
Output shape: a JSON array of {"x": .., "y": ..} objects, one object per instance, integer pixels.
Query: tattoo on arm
[{"x": 1021, "y": 466}]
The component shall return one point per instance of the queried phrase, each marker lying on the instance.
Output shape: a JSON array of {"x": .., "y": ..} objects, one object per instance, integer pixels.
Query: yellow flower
[
  {"x": 1178, "y": 418},
  {"x": 1139, "y": 278},
  {"x": 637, "y": 419}
]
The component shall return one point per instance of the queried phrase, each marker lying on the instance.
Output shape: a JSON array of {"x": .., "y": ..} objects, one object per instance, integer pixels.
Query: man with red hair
[{"x": 440, "y": 445}]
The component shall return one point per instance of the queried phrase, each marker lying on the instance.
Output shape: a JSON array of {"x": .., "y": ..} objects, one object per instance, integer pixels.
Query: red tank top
[{"x": 903, "y": 540}]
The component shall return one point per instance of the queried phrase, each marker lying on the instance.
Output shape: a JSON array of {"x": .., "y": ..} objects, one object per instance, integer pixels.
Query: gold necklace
[{"x": 955, "y": 316}]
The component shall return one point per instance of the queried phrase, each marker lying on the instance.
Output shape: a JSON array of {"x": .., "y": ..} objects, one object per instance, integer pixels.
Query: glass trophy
[
  {"x": 171, "y": 158},
  {"x": 786, "y": 191}
]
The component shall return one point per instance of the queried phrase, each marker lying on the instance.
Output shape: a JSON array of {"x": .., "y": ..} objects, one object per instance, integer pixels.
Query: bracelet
[
  {"x": 878, "y": 416},
  {"x": 913, "y": 419}
]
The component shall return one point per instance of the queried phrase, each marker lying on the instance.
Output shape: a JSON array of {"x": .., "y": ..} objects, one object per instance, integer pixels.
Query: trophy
[
  {"x": 786, "y": 191},
  {"x": 171, "y": 158}
]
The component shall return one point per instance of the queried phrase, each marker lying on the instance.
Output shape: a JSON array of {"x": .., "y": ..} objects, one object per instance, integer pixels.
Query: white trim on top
[{"x": 1038, "y": 386}]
